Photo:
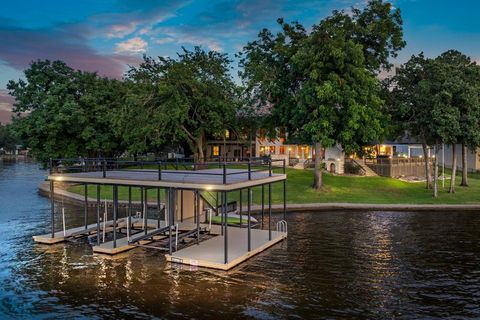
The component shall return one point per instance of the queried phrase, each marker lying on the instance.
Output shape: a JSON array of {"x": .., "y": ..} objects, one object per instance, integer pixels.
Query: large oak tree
[
  {"x": 322, "y": 85},
  {"x": 62, "y": 112},
  {"x": 182, "y": 99}
]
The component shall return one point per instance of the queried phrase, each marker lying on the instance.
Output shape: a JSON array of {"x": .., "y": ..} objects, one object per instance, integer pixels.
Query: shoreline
[{"x": 74, "y": 198}]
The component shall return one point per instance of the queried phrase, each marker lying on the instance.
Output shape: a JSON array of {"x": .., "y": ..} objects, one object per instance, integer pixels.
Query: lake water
[{"x": 333, "y": 265}]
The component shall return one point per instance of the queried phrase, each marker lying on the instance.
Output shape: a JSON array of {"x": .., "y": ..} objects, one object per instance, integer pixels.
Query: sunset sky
[{"x": 108, "y": 35}]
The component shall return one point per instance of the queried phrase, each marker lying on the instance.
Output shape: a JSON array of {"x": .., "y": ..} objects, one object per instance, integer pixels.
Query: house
[
  {"x": 445, "y": 157},
  {"x": 396, "y": 149},
  {"x": 236, "y": 146}
]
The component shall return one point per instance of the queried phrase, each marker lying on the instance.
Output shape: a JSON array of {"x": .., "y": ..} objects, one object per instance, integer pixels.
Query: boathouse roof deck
[
  {"x": 194, "y": 193},
  {"x": 215, "y": 176}
]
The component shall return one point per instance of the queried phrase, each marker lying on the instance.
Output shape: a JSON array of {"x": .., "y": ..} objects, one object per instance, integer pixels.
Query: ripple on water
[{"x": 333, "y": 265}]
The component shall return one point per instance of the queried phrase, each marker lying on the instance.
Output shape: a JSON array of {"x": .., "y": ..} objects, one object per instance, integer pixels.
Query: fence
[{"x": 396, "y": 167}]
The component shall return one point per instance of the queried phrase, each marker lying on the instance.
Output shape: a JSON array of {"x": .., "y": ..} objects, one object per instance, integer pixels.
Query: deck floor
[{"x": 210, "y": 253}]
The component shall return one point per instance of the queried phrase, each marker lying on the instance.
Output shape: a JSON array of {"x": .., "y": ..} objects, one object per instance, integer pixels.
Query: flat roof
[{"x": 206, "y": 179}]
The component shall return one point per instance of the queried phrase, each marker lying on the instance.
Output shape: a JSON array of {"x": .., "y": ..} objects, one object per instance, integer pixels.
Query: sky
[{"x": 109, "y": 35}]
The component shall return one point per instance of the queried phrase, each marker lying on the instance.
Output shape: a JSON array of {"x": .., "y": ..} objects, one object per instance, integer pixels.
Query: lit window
[
  {"x": 227, "y": 134},
  {"x": 282, "y": 149},
  {"x": 262, "y": 151},
  {"x": 216, "y": 151},
  {"x": 272, "y": 149}
]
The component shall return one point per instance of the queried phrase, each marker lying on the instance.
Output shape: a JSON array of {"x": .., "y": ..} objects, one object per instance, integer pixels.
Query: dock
[
  {"x": 192, "y": 193},
  {"x": 210, "y": 253}
]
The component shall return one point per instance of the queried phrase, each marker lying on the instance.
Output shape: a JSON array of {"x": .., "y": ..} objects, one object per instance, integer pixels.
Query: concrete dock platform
[{"x": 210, "y": 253}]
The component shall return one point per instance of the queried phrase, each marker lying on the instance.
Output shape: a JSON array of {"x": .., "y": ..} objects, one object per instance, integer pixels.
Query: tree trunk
[
  {"x": 454, "y": 169},
  {"x": 464, "y": 166},
  {"x": 427, "y": 166},
  {"x": 200, "y": 152},
  {"x": 435, "y": 176},
  {"x": 318, "y": 180}
]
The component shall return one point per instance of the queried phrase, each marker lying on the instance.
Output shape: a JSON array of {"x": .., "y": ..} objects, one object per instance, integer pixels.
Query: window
[
  {"x": 262, "y": 151},
  {"x": 215, "y": 151},
  {"x": 272, "y": 149},
  {"x": 282, "y": 149},
  {"x": 227, "y": 134}
]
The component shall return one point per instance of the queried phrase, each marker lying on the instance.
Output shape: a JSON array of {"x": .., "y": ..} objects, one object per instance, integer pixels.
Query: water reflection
[{"x": 333, "y": 265}]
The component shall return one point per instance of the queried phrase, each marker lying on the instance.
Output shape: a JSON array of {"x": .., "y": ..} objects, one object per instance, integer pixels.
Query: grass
[
  {"x": 351, "y": 189},
  {"x": 234, "y": 221}
]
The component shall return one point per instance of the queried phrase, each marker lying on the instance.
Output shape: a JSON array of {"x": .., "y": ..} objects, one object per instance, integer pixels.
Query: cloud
[
  {"x": 132, "y": 46},
  {"x": 164, "y": 40},
  {"x": 121, "y": 30},
  {"x": 184, "y": 36},
  {"x": 133, "y": 18},
  {"x": 26, "y": 45}
]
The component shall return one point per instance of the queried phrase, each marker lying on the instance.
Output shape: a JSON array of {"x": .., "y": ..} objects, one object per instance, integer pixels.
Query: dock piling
[
  {"x": 225, "y": 232},
  {"x": 248, "y": 222},
  {"x": 269, "y": 211},
  {"x": 98, "y": 214},
  {"x": 52, "y": 207},
  {"x": 263, "y": 204},
  {"x": 145, "y": 209},
  {"x": 241, "y": 211},
  {"x": 285, "y": 200},
  {"x": 115, "y": 212},
  {"x": 159, "y": 208},
  {"x": 85, "y": 209},
  {"x": 129, "y": 211},
  {"x": 170, "y": 213},
  {"x": 181, "y": 206},
  {"x": 197, "y": 205}
]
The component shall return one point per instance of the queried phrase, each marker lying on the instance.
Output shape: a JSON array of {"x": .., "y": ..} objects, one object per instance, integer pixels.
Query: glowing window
[{"x": 216, "y": 151}]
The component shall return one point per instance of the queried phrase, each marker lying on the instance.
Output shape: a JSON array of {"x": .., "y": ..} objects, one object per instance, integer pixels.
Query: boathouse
[{"x": 203, "y": 219}]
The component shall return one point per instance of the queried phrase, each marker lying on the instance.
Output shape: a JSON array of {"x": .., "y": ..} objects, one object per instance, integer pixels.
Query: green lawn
[{"x": 351, "y": 189}]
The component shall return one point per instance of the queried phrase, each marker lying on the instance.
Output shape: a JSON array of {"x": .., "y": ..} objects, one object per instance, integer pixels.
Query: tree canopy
[
  {"x": 67, "y": 113},
  {"x": 182, "y": 99},
  {"x": 322, "y": 85},
  {"x": 437, "y": 101}
]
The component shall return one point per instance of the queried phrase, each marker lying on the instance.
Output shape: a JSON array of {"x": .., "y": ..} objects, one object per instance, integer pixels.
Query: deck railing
[{"x": 104, "y": 165}]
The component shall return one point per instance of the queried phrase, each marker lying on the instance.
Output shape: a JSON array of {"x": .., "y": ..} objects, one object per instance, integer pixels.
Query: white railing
[{"x": 282, "y": 226}]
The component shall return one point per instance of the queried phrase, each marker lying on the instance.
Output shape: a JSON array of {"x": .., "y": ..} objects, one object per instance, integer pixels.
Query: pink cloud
[{"x": 26, "y": 46}]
